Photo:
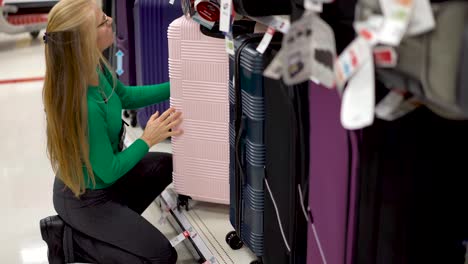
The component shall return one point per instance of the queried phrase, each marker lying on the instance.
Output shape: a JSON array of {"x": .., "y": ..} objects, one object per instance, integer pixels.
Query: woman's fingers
[
  {"x": 154, "y": 116},
  {"x": 166, "y": 114},
  {"x": 171, "y": 118},
  {"x": 175, "y": 122},
  {"x": 175, "y": 133}
]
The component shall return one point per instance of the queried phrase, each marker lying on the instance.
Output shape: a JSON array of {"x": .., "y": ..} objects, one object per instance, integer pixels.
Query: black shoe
[{"x": 52, "y": 233}]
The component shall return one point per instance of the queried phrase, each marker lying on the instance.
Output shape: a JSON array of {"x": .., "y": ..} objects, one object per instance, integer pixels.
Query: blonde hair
[{"x": 72, "y": 59}]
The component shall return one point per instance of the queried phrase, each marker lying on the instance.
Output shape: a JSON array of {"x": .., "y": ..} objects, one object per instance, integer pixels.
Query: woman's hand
[{"x": 161, "y": 127}]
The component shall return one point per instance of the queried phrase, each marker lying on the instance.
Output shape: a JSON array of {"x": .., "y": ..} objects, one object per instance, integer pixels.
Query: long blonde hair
[{"x": 72, "y": 59}]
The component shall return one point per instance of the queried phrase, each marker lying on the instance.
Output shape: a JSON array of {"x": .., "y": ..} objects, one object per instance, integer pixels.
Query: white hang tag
[
  {"x": 369, "y": 29},
  {"x": 397, "y": 15},
  {"x": 389, "y": 104},
  {"x": 229, "y": 44},
  {"x": 394, "y": 106},
  {"x": 275, "y": 68},
  {"x": 171, "y": 2},
  {"x": 226, "y": 13},
  {"x": 422, "y": 18},
  {"x": 309, "y": 52},
  {"x": 180, "y": 238},
  {"x": 266, "y": 40},
  {"x": 358, "y": 103},
  {"x": 351, "y": 60},
  {"x": 314, "y": 5},
  {"x": 279, "y": 23}
]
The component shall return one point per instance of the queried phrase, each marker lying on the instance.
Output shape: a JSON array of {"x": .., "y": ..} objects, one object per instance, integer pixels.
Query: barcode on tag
[{"x": 266, "y": 40}]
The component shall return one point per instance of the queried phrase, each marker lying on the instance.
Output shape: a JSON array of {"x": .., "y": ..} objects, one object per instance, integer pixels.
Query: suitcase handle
[{"x": 240, "y": 149}]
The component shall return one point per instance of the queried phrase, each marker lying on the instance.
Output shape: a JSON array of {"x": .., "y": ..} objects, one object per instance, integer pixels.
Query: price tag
[
  {"x": 397, "y": 15},
  {"x": 358, "y": 104},
  {"x": 226, "y": 13},
  {"x": 180, "y": 238},
  {"x": 351, "y": 60},
  {"x": 266, "y": 40},
  {"x": 309, "y": 51},
  {"x": 208, "y": 10}
]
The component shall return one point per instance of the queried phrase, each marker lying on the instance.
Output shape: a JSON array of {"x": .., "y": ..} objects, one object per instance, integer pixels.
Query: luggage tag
[
  {"x": 180, "y": 238},
  {"x": 397, "y": 15},
  {"x": 385, "y": 57},
  {"x": 395, "y": 106},
  {"x": 275, "y": 23},
  {"x": 208, "y": 10},
  {"x": 309, "y": 52},
  {"x": 229, "y": 43},
  {"x": 351, "y": 60},
  {"x": 266, "y": 40},
  {"x": 226, "y": 14},
  {"x": 358, "y": 103},
  {"x": 422, "y": 18}
]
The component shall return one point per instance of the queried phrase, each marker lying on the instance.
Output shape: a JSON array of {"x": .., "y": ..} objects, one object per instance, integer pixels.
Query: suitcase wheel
[
  {"x": 234, "y": 241},
  {"x": 183, "y": 201}
]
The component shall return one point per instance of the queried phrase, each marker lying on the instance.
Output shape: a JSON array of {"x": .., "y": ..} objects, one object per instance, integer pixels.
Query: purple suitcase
[
  {"x": 152, "y": 19},
  {"x": 332, "y": 182},
  {"x": 125, "y": 41}
]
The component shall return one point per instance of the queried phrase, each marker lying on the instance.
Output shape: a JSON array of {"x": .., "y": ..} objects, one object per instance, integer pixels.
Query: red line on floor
[{"x": 21, "y": 80}]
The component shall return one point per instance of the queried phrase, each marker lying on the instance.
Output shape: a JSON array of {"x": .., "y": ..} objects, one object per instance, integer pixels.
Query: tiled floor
[{"x": 26, "y": 176}]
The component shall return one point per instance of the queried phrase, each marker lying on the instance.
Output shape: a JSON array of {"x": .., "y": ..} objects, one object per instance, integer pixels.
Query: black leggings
[{"x": 107, "y": 224}]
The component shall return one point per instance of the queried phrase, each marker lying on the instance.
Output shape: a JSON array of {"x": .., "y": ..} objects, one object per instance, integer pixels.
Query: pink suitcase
[{"x": 199, "y": 76}]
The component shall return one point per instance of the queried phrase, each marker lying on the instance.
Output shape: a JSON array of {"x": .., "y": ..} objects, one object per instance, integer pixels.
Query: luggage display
[
  {"x": 198, "y": 69},
  {"x": 125, "y": 41},
  {"x": 332, "y": 181},
  {"x": 152, "y": 18}
]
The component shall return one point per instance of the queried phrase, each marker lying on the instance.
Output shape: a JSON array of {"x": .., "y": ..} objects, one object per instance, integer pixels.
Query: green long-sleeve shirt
[{"x": 105, "y": 123}]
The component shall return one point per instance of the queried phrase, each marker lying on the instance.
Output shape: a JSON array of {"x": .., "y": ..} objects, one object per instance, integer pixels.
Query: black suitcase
[
  {"x": 262, "y": 7},
  {"x": 286, "y": 172}
]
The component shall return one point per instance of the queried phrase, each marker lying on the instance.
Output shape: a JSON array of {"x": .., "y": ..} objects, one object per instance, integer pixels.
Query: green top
[{"x": 105, "y": 123}]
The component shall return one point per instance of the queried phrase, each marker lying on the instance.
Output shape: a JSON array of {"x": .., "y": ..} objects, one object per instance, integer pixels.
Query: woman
[{"x": 100, "y": 190}]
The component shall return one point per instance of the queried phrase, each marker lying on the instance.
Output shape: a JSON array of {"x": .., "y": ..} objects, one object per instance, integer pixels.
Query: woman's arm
[
  {"x": 106, "y": 164},
  {"x": 134, "y": 97}
]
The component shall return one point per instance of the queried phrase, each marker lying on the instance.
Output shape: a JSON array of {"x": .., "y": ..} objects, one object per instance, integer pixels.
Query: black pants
[{"x": 107, "y": 224}]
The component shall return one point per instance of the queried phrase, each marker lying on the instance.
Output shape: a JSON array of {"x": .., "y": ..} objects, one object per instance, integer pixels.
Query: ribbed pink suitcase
[{"x": 199, "y": 76}]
